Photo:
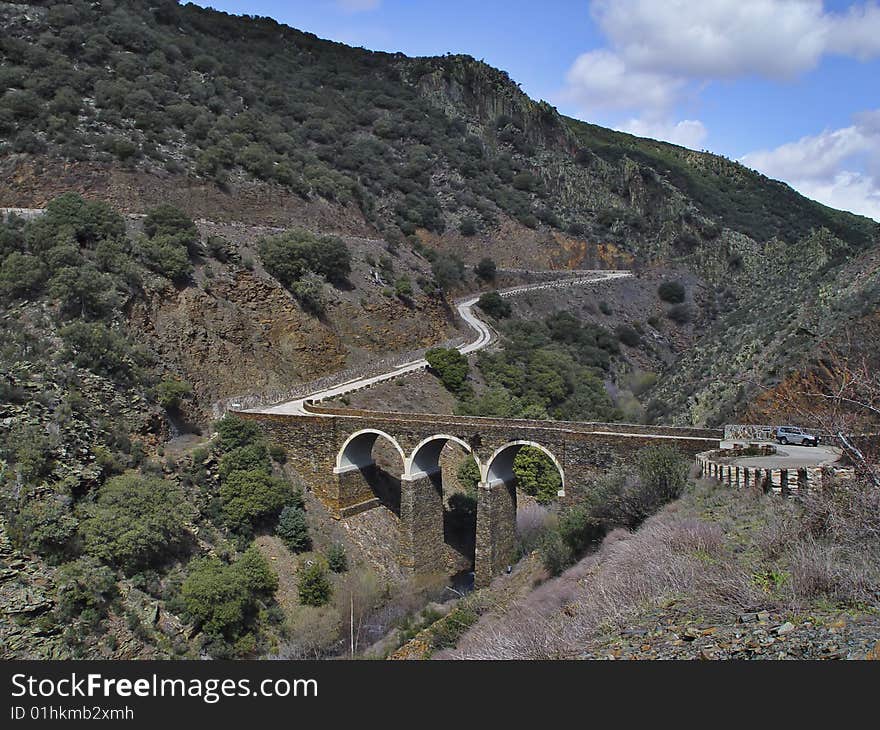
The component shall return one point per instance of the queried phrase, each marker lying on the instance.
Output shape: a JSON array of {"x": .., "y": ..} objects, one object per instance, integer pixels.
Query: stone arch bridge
[{"x": 333, "y": 450}]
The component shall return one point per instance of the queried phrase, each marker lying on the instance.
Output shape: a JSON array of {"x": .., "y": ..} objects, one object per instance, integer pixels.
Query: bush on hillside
[
  {"x": 135, "y": 522},
  {"x": 493, "y": 304},
  {"x": 450, "y": 366},
  {"x": 314, "y": 586},
  {"x": 672, "y": 292},
  {"x": 293, "y": 529},
  {"x": 250, "y": 498},
  {"x": 486, "y": 269}
]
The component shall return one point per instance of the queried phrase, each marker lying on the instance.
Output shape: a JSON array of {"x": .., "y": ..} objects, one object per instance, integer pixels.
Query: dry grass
[{"x": 716, "y": 553}]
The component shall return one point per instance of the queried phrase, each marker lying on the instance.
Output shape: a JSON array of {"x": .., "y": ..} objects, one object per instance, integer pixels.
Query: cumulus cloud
[
  {"x": 602, "y": 80},
  {"x": 687, "y": 133},
  {"x": 838, "y": 167},
  {"x": 661, "y": 51}
]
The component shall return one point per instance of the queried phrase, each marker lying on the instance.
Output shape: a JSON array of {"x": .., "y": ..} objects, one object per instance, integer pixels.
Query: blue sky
[{"x": 790, "y": 87}]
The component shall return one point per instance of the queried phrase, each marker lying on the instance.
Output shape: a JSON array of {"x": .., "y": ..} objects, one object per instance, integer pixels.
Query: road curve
[{"x": 465, "y": 308}]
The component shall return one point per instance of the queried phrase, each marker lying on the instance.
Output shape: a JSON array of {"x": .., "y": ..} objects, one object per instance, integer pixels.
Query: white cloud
[
  {"x": 687, "y": 133},
  {"x": 848, "y": 190},
  {"x": 601, "y": 80},
  {"x": 838, "y": 167},
  {"x": 732, "y": 38},
  {"x": 659, "y": 51}
]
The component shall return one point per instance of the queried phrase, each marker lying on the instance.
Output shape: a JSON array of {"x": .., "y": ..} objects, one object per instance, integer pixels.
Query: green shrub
[
  {"x": 469, "y": 474},
  {"x": 672, "y": 292},
  {"x": 249, "y": 498},
  {"x": 605, "y": 308},
  {"x": 168, "y": 221},
  {"x": 536, "y": 474},
  {"x": 135, "y": 522},
  {"x": 493, "y": 304},
  {"x": 233, "y": 432},
  {"x": 94, "y": 346},
  {"x": 486, "y": 269},
  {"x": 628, "y": 336},
  {"x": 555, "y": 554},
  {"x": 289, "y": 256},
  {"x": 171, "y": 393},
  {"x": 309, "y": 292},
  {"x": 580, "y": 530},
  {"x": 224, "y": 600},
  {"x": 245, "y": 458},
  {"x": 403, "y": 288},
  {"x": 293, "y": 529},
  {"x": 85, "y": 589},
  {"x": 450, "y": 366},
  {"x": 680, "y": 313},
  {"x": 314, "y": 586},
  {"x": 278, "y": 453},
  {"x": 337, "y": 560},
  {"x": 21, "y": 275},
  {"x": 45, "y": 526}
]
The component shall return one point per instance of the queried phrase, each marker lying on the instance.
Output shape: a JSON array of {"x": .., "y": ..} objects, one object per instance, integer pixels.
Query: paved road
[
  {"x": 791, "y": 456},
  {"x": 484, "y": 336}
]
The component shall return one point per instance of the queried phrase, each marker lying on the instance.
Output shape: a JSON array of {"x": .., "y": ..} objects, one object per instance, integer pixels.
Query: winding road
[{"x": 484, "y": 336}]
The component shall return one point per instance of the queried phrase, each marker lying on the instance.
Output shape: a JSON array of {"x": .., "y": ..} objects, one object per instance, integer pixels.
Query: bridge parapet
[{"x": 713, "y": 434}]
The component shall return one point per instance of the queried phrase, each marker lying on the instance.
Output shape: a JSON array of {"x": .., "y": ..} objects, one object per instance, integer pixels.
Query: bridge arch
[
  {"x": 357, "y": 451},
  {"x": 425, "y": 457},
  {"x": 499, "y": 467}
]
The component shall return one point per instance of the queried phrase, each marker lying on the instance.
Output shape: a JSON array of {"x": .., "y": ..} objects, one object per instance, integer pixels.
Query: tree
[
  {"x": 85, "y": 589},
  {"x": 169, "y": 222},
  {"x": 536, "y": 474},
  {"x": 224, "y": 599},
  {"x": 251, "y": 497},
  {"x": 448, "y": 271},
  {"x": 337, "y": 560},
  {"x": 83, "y": 291},
  {"x": 450, "y": 366},
  {"x": 468, "y": 226},
  {"x": 663, "y": 472},
  {"x": 314, "y": 586},
  {"x": 45, "y": 526},
  {"x": 252, "y": 457},
  {"x": 21, "y": 275},
  {"x": 486, "y": 269},
  {"x": 168, "y": 256},
  {"x": 233, "y": 432},
  {"x": 136, "y": 521},
  {"x": 293, "y": 529},
  {"x": 289, "y": 256},
  {"x": 493, "y": 304}
]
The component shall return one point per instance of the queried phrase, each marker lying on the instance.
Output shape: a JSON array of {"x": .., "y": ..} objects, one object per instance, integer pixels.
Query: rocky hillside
[{"x": 243, "y": 119}]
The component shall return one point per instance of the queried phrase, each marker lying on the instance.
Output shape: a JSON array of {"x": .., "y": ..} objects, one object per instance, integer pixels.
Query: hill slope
[{"x": 238, "y": 118}]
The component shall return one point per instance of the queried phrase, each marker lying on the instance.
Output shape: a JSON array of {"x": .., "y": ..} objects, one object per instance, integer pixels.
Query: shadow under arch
[
  {"x": 425, "y": 458},
  {"x": 356, "y": 454}
]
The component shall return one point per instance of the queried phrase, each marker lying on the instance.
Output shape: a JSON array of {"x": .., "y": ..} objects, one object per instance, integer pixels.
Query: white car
[{"x": 795, "y": 435}]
